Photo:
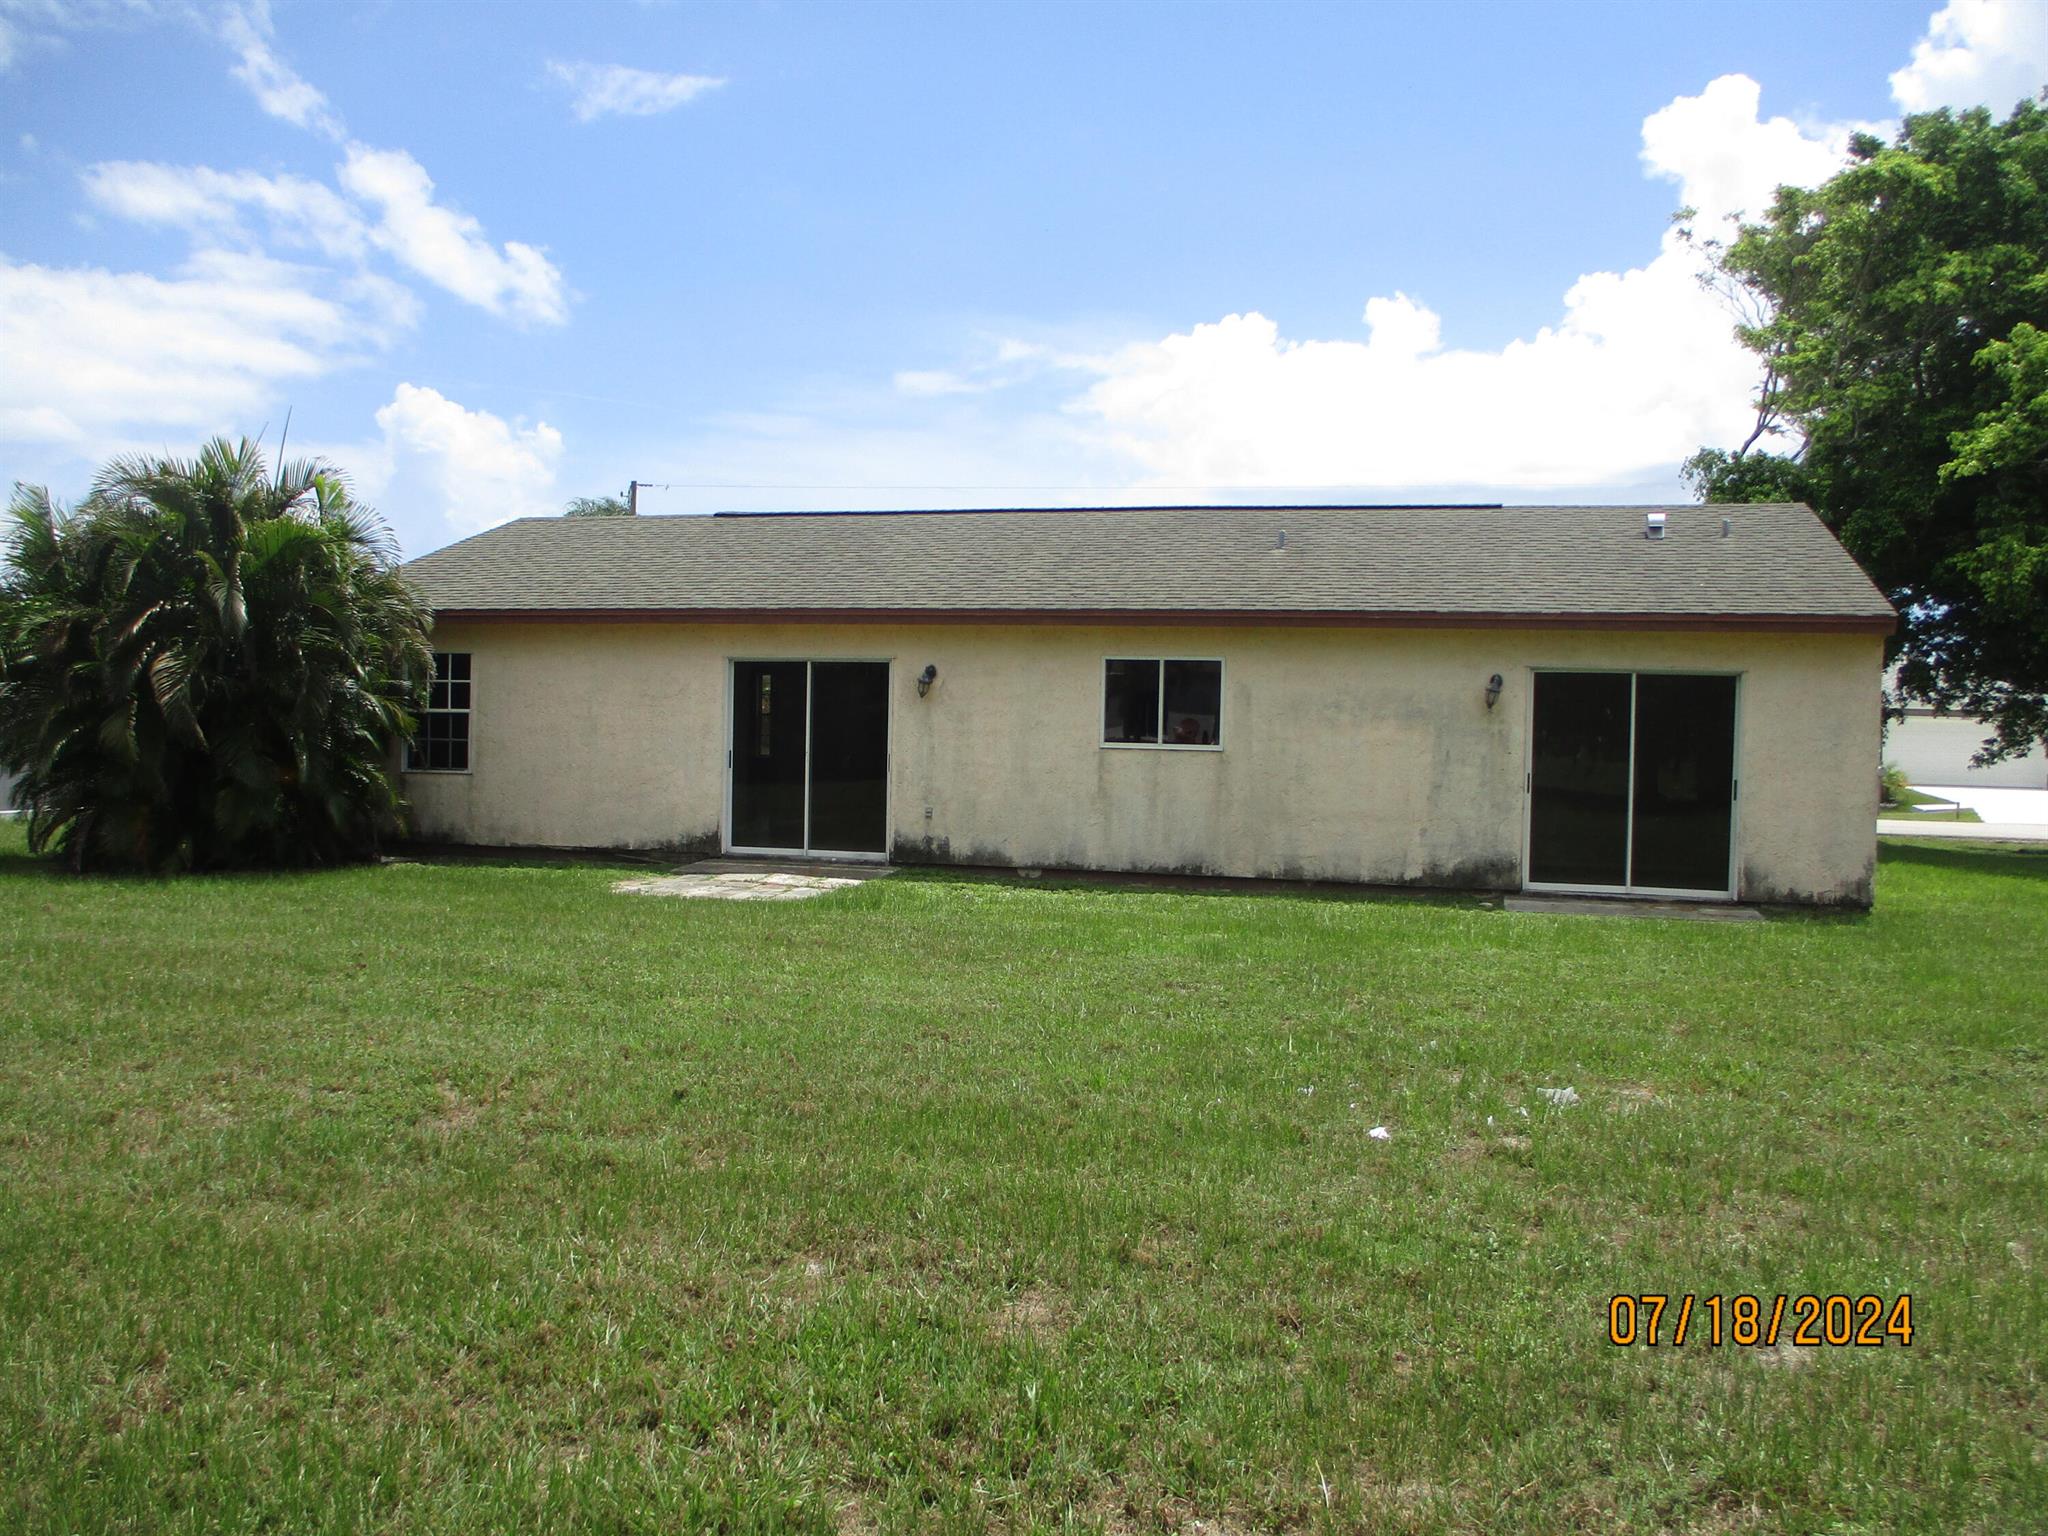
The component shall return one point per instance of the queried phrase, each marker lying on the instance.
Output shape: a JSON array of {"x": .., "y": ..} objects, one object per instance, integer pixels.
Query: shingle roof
[{"x": 1341, "y": 564}]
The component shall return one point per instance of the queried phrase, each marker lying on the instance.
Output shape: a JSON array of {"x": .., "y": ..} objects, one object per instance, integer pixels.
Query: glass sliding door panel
[
  {"x": 1685, "y": 780},
  {"x": 850, "y": 756},
  {"x": 1578, "y": 779},
  {"x": 768, "y": 707}
]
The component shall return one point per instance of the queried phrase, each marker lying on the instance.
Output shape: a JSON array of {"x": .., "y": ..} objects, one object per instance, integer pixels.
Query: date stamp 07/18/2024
[{"x": 1868, "y": 1322}]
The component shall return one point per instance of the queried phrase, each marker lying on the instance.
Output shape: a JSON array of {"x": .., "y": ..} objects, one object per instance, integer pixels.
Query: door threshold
[
  {"x": 1624, "y": 892},
  {"x": 742, "y": 861},
  {"x": 1695, "y": 909}
]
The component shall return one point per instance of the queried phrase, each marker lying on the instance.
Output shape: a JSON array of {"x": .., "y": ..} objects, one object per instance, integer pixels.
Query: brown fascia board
[{"x": 1781, "y": 623}]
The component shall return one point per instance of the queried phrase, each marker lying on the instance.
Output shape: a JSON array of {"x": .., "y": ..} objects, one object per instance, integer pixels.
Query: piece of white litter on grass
[
  {"x": 1560, "y": 1098},
  {"x": 1311, "y": 1088},
  {"x": 1380, "y": 1133},
  {"x": 1489, "y": 1119},
  {"x": 1522, "y": 1110}
]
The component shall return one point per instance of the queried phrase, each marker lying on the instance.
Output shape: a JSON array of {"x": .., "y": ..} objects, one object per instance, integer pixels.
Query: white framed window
[
  {"x": 442, "y": 743},
  {"x": 1163, "y": 701}
]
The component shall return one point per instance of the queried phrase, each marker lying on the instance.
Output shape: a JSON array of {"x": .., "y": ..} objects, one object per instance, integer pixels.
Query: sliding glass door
[
  {"x": 1578, "y": 779},
  {"x": 849, "y": 756},
  {"x": 1632, "y": 782},
  {"x": 1684, "y": 782},
  {"x": 810, "y": 757},
  {"x": 770, "y": 730}
]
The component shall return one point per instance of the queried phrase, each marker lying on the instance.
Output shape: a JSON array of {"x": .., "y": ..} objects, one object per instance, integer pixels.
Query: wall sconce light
[
  {"x": 1493, "y": 687},
  {"x": 925, "y": 679}
]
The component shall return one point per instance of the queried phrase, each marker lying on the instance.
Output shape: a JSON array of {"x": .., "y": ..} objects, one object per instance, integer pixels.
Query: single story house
[{"x": 1618, "y": 700}]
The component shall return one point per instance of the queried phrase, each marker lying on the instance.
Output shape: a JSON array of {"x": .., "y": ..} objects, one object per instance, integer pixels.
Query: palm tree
[
  {"x": 205, "y": 666},
  {"x": 620, "y": 505}
]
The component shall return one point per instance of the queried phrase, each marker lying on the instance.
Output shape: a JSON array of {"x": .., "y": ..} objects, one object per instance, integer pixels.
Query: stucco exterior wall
[{"x": 1348, "y": 754}]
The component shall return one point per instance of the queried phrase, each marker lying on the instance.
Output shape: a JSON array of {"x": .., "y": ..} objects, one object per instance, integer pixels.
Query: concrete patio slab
[
  {"x": 1594, "y": 906},
  {"x": 755, "y": 879}
]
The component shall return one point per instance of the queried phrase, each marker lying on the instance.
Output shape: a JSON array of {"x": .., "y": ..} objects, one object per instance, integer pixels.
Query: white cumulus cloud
[
  {"x": 1990, "y": 53},
  {"x": 938, "y": 381},
  {"x": 1728, "y": 158},
  {"x": 616, "y": 90},
  {"x": 210, "y": 202},
  {"x": 448, "y": 248},
  {"x": 1640, "y": 368},
  {"x": 478, "y": 469},
  {"x": 278, "y": 88},
  {"x": 393, "y": 210},
  {"x": 94, "y": 355},
  {"x": 1639, "y": 371}
]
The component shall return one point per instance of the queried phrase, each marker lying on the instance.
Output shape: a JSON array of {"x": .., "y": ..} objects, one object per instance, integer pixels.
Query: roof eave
[{"x": 1332, "y": 618}]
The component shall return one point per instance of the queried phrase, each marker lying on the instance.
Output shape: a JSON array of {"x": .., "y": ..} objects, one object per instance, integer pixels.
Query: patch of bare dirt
[
  {"x": 1631, "y": 1099},
  {"x": 146, "y": 1393},
  {"x": 1398, "y": 1504},
  {"x": 456, "y": 1113},
  {"x": 1120, "y": 1510},
  {"x": 1725, "y": 1518},
  {"x": 1035, "y": 1313},
  {"x": 1785, "y": 1356},
  {"x": 1479, "y": 1146}
]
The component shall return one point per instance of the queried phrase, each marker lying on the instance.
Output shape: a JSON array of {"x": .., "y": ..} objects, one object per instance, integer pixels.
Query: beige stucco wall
[{"x": 1349, "y": 754}]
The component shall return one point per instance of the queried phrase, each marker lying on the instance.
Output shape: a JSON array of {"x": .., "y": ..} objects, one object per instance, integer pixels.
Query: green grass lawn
[{"x": 476, "y": 1198}]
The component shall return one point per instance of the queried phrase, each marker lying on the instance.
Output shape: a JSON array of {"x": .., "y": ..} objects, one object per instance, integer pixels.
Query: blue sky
[{"x": 778, "y": 255}]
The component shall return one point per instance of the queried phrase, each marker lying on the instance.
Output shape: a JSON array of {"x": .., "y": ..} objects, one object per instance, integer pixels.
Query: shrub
[{"x": 205, "y": 666}]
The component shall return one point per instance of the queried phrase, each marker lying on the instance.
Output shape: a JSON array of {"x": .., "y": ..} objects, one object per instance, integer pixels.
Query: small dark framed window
[
  {"x": 1162, "y": 702},
  {"x": 442, "y": 745}
]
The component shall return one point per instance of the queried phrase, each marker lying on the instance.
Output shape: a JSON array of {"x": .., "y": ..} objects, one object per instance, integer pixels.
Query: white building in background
[{"x": 1936, "y": 750}]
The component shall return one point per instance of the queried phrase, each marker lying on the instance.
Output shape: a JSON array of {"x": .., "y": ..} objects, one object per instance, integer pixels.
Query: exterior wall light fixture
[
  {"x": 1493, "y": 687},
  {"x": 926, "y": 678}
]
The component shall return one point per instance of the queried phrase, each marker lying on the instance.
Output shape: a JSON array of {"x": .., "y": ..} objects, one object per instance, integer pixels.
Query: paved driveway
[{"x": 2014, "y": 815}]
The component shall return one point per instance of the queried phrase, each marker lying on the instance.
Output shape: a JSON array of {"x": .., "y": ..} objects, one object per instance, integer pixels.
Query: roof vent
[
  {"x": 1281, "y": 542},
  {"x": 1653, "y": 525},
  {"x": 1727, "y": 526}
]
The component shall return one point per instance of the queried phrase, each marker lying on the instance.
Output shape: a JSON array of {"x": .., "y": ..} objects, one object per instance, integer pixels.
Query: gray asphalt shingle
[{"x": 1778, "y": 561}]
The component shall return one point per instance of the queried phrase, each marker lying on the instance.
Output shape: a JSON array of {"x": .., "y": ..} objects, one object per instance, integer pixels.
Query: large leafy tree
[
  {"x": 1901, "y": 310},
  {"x": 205, "y": 665}
]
